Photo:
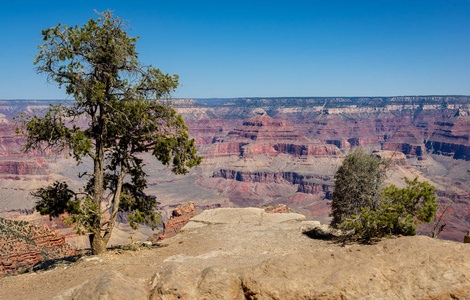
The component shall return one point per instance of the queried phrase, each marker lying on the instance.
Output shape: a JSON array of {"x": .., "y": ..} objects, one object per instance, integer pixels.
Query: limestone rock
[
  {"x": 248, "y": 215},
  {"x": 315, "y": 230},
  {"x": 107, "y": 286},
  {"x": 176, "y": 282},
  {"x": 250, "y": 254}
]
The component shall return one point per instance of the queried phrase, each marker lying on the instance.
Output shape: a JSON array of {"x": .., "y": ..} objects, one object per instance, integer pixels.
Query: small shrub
[
  {"x": 358, "y": 182},
  {"x": 401, "y": 210},
  {"x": 136, "y": 246}
]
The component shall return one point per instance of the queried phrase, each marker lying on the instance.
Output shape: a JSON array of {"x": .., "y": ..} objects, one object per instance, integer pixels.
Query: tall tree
[{"x": 114, "y": 118}]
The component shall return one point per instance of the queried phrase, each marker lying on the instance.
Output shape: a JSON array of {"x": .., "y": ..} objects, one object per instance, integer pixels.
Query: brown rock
[
  {"x": 106, "y": 286},
  {"x": 22, "y": 168},
  {"x": 277, "y": 209},
  {"x": 451, "y": 138},
  {"x": 176, "y": 282},
  {"x": 179, "y": 217},
  {"x": 268, "y": 136}
]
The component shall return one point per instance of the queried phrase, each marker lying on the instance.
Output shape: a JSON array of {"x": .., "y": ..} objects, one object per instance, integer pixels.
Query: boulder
[
  {"x": 177, "y": 282},
  {"x": 110, "y": 285}
]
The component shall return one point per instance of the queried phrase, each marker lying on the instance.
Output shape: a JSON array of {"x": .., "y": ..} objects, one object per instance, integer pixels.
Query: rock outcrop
[
  {"x": 250, "y": 254},
  {"x": 277, "y": 209},
  {"x": 22, "y": 245},
  {"x": 179, "y": 217},
  {"x": 406, "y": 140}
]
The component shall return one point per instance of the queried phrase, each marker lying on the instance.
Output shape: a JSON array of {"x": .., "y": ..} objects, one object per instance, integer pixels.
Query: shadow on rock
[{"x": 50, "y": 263}]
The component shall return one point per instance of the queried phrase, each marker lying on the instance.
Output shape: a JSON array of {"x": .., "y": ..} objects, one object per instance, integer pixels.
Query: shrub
[
  {"x": 400, "y": 211},
  {"x": 358, "y": 183}
]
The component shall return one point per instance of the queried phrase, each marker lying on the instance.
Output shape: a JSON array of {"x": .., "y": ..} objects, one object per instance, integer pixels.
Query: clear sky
[{"x": 240, "y": 48}]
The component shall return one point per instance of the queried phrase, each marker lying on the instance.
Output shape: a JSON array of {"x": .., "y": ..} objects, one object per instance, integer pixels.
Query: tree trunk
[
  {"x": 97, "y": 244},
  {"x": 115, "y": 207}
]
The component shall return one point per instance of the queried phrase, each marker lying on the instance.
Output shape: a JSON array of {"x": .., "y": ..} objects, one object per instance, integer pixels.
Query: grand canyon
[{"x": 259, "y": 152}]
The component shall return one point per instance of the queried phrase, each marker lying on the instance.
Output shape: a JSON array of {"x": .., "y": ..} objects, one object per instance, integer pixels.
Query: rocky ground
[{"x": 249, "y": 254}]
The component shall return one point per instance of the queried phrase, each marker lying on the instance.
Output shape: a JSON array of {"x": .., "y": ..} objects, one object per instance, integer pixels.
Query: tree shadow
[
  {"x": 337, "y": 237},
  {"x": 50, "y": 263}
]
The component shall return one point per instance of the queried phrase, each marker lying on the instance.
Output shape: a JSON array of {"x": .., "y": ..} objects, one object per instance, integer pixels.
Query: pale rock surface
[
  {"x": 248, "y": 215},
  {"x": 248, "y": 254},
  {"x": 106, "y": 286}
]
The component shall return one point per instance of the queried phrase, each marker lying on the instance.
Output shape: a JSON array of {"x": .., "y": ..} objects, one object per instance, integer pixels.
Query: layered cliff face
[
  {"x": 248, "y": 154},
  {"x": 179, "y": 217},
  {"x": 452, "y": 137},
  {"x": 268, "y": 136},
  {"x": 306, "y": 183},
  {"x": 22, "y": 245},
  {"x": 408, "y": 141},
  {"x": 267, "y": 161}
]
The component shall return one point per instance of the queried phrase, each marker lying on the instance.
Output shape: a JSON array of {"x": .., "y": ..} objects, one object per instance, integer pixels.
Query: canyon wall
[
  {"x": 23, "y": 245},
  {"x": 268, "y": 151}
]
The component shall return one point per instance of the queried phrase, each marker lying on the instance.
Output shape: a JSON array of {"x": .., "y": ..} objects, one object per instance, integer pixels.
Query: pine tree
[{"x": 114, "y": 117}]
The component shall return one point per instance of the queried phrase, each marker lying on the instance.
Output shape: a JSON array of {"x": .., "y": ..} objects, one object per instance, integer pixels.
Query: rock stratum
[
  {"x": 23, "y": 245},
  {"x": 234, "y": 253},
  {"x": 271, "y": 151}
]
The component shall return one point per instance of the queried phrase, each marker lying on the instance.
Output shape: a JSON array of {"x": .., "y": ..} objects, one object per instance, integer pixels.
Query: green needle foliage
[
  {"x": 361, "y": 204},
  {"x": 399, "y": 214},
  {"x": 114, "y": 118},
  {"x": 357, "y": 184}
]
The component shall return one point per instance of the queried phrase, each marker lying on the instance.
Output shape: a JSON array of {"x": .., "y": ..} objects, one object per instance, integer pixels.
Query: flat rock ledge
[{"x": 245, "y": 253}]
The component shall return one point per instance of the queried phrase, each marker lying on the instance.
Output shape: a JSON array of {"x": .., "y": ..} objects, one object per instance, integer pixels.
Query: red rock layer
[
  {"x": 452, "y": 138},
  {"x": 178, "y": 219},
  {"x": 264, "y": 128},
  {"x": 267, "y": 136},
  {"x": 277, "y": 209},
  {"x": 22, "y": 245},
  {"x": 309, "y": 184},
  {"x": 407, "y": 140},
  {"x": 22, "y": 168}
]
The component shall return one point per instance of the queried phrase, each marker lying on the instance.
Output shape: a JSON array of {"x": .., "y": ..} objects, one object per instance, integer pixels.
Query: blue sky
[{"x": 265, "y": 48}]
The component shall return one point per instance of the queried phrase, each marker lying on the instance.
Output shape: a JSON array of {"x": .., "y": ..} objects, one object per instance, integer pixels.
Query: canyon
[{"x": 270, "y": 151}]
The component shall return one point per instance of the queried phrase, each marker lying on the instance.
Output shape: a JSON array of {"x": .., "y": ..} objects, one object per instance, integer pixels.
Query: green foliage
[
  {"x": 136, "y": 246},
  {"x": 361, "y": 204},
  {"x": 56, "y": 199},
  {"x": 401, "y": 210},
  {"x": 115, "y": 117},
  {"x": 357, "y": 185}
]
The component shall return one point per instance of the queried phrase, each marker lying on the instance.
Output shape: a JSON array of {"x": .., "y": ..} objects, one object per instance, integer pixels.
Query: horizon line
[{"x": 256, "y": 97}]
